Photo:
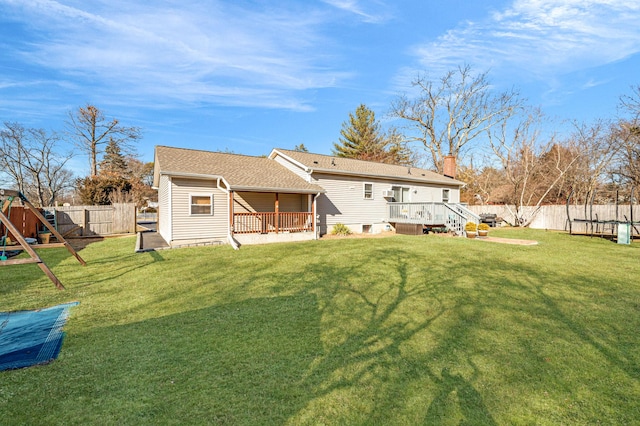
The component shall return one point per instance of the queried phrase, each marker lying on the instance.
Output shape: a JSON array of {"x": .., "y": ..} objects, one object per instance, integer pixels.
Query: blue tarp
[{"x": 32, "y": 337}]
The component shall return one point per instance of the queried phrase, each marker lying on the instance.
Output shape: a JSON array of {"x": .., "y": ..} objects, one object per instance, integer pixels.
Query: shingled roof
[
  {"x": 241, "y": 172},
  {"x": 348, "y": 166}
]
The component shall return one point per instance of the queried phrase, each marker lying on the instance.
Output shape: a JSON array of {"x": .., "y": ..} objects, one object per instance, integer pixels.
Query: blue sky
[{"x": 247, "y": 76}]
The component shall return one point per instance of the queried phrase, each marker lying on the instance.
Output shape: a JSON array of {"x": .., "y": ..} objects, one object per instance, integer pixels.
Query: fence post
[{"x": 85, "y": 221}]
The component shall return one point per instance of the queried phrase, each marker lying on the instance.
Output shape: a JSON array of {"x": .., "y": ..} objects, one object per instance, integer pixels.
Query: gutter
[
  {"x": 281, "y": 190},
  {"x": 194, "y": 175},
  {"x": 448, "y": 181},
  {"x": 244, "y": 188}
]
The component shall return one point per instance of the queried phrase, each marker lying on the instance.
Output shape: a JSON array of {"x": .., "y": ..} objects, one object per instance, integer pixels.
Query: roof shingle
[
  {"x": 242, "y": 172},
  {"x": 338, "y": 165}
]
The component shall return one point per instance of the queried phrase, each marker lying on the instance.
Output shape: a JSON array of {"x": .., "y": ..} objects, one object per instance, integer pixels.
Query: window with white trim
[
  {"x": 368, "y": 191},
  {"x": 445, "y": 195},
  {"x": 201, "y": 204},
  {"x": 400, "y": 194}
]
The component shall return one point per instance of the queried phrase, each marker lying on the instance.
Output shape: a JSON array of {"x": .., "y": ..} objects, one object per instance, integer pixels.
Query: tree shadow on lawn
[
  {"x": 368, "y": 328},
  {"x": 417, "y": 339},
  {"x": 301, "y": 358},
  {"x": 380, "y": 338},
  {"x": 240, "y": 363}
]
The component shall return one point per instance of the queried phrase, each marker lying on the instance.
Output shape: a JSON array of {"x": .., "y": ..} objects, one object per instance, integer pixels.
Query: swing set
[{"x": 22, "y": 244}]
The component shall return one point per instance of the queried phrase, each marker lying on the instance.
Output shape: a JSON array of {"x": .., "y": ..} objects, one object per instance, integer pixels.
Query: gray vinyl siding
[
  {"x": 344, "y": 200},
  {"x": 191, "y": 227},
  {"x": 164, "y": 208}
]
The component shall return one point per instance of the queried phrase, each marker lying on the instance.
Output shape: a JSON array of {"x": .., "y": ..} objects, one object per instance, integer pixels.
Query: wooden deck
[{"x": 453, "y": 216}]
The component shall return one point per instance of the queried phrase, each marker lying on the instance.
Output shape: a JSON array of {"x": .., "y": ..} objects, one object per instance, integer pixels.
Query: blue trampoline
[{"x": 32, "y": 337}]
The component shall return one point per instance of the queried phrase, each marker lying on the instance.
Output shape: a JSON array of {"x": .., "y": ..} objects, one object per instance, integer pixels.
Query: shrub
[
  {"x": 340, "y": 229},
  {"x": 483, "y": 227},
  {"x": 470, "y": 227}
]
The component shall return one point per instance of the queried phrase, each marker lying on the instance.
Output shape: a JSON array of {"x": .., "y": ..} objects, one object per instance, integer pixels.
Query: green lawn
[{"x": 399, "y": 330}]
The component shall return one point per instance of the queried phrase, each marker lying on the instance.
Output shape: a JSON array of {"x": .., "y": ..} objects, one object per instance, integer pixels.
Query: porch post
[{"x": 277, "y": 209}]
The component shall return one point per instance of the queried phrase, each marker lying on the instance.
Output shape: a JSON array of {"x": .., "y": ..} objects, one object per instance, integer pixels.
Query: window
[
  {"x": 400, "y": 194},
  {"x": 368, "y": 191},
  {"x": 445, "y": 195},
  {"x": 201, "y": 204}
]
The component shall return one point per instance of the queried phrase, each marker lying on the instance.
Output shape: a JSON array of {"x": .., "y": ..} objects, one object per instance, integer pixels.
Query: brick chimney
[{"x": 450, "y": 166}]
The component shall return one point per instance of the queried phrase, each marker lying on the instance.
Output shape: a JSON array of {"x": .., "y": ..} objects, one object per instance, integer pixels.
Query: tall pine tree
[
  {"x": 362, "y": 139},
  {"x": 360, "y": 136},
  {"x": 113, "y": 161}
]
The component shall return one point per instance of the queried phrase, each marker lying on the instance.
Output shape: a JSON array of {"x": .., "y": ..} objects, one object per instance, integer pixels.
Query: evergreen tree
[
  {"x": 113, "y": 161},
  {"x": 362, "y": 139},
  {"x": 361, "y": 136},
  {"x": 397, "y": 151}
]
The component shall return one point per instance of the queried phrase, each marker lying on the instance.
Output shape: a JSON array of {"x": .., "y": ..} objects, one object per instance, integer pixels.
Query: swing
[{"x": 22, "y": 242}]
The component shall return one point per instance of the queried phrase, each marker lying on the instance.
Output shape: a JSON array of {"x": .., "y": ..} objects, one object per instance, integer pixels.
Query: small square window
[
  {"x": 368, "y": 191},
  {"x": 201, "y": 204}
]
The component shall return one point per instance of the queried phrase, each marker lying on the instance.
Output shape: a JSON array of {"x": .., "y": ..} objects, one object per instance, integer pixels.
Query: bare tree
[
  {"x": 628, "y": 162},
  {"x": 483, "y": 184},
  {"x": 597, "y": 144},
  {"x": 631, "y": 103},
  {"x": 12, "y": 150},
  {"x": 450, "y": 113},
  {"x": 533, "y": 164},
  {"x": 626, "y": 167},
  {"x": 31, "y": 159},
  {"x": 90, "y": 129}
]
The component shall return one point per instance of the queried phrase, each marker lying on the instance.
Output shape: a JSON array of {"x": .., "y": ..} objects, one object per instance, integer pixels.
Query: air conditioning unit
[{"x": 387, "y": 193}]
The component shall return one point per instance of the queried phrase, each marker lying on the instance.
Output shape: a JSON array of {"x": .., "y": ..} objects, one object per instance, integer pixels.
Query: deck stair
[{"x": 452, "y": 215}]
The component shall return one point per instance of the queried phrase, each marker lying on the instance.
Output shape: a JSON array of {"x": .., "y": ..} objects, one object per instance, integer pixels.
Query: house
[
  {"x": 212, "y": 197},
  {"x": 370, "y": 197},
  {"x": 206, "y": 197}
]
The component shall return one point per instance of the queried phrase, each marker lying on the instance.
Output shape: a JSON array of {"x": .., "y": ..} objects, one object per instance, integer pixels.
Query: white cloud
[
  {"x": 189, "y": 51},
  {"x": 370, "y": 12},
  {"x": 539, "y": 39}
]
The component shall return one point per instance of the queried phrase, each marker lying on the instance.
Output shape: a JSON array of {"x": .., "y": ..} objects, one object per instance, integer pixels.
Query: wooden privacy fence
[
  {"x": 555, "y": 216},
  {"x": 84, "y": 221}
]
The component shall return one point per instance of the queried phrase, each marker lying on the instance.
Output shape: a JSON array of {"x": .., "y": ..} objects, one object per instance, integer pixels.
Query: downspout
[
  {"x": 314, "y": 210},
  {"x": 230, "y": 238}
]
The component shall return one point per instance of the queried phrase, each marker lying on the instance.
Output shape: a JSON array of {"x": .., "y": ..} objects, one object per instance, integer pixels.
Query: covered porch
[{"x": 257, "y": 217}]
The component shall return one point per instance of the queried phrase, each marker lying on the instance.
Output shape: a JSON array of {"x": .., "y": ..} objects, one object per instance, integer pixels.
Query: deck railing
[
  {"x": 453, "y": 216},
  {"x": 418, "y": 213},
  {"x": 271, "y": 222}
]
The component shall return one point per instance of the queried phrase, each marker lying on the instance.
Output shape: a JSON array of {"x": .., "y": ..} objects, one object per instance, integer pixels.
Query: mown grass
[{"x": 398, "y": 330}]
